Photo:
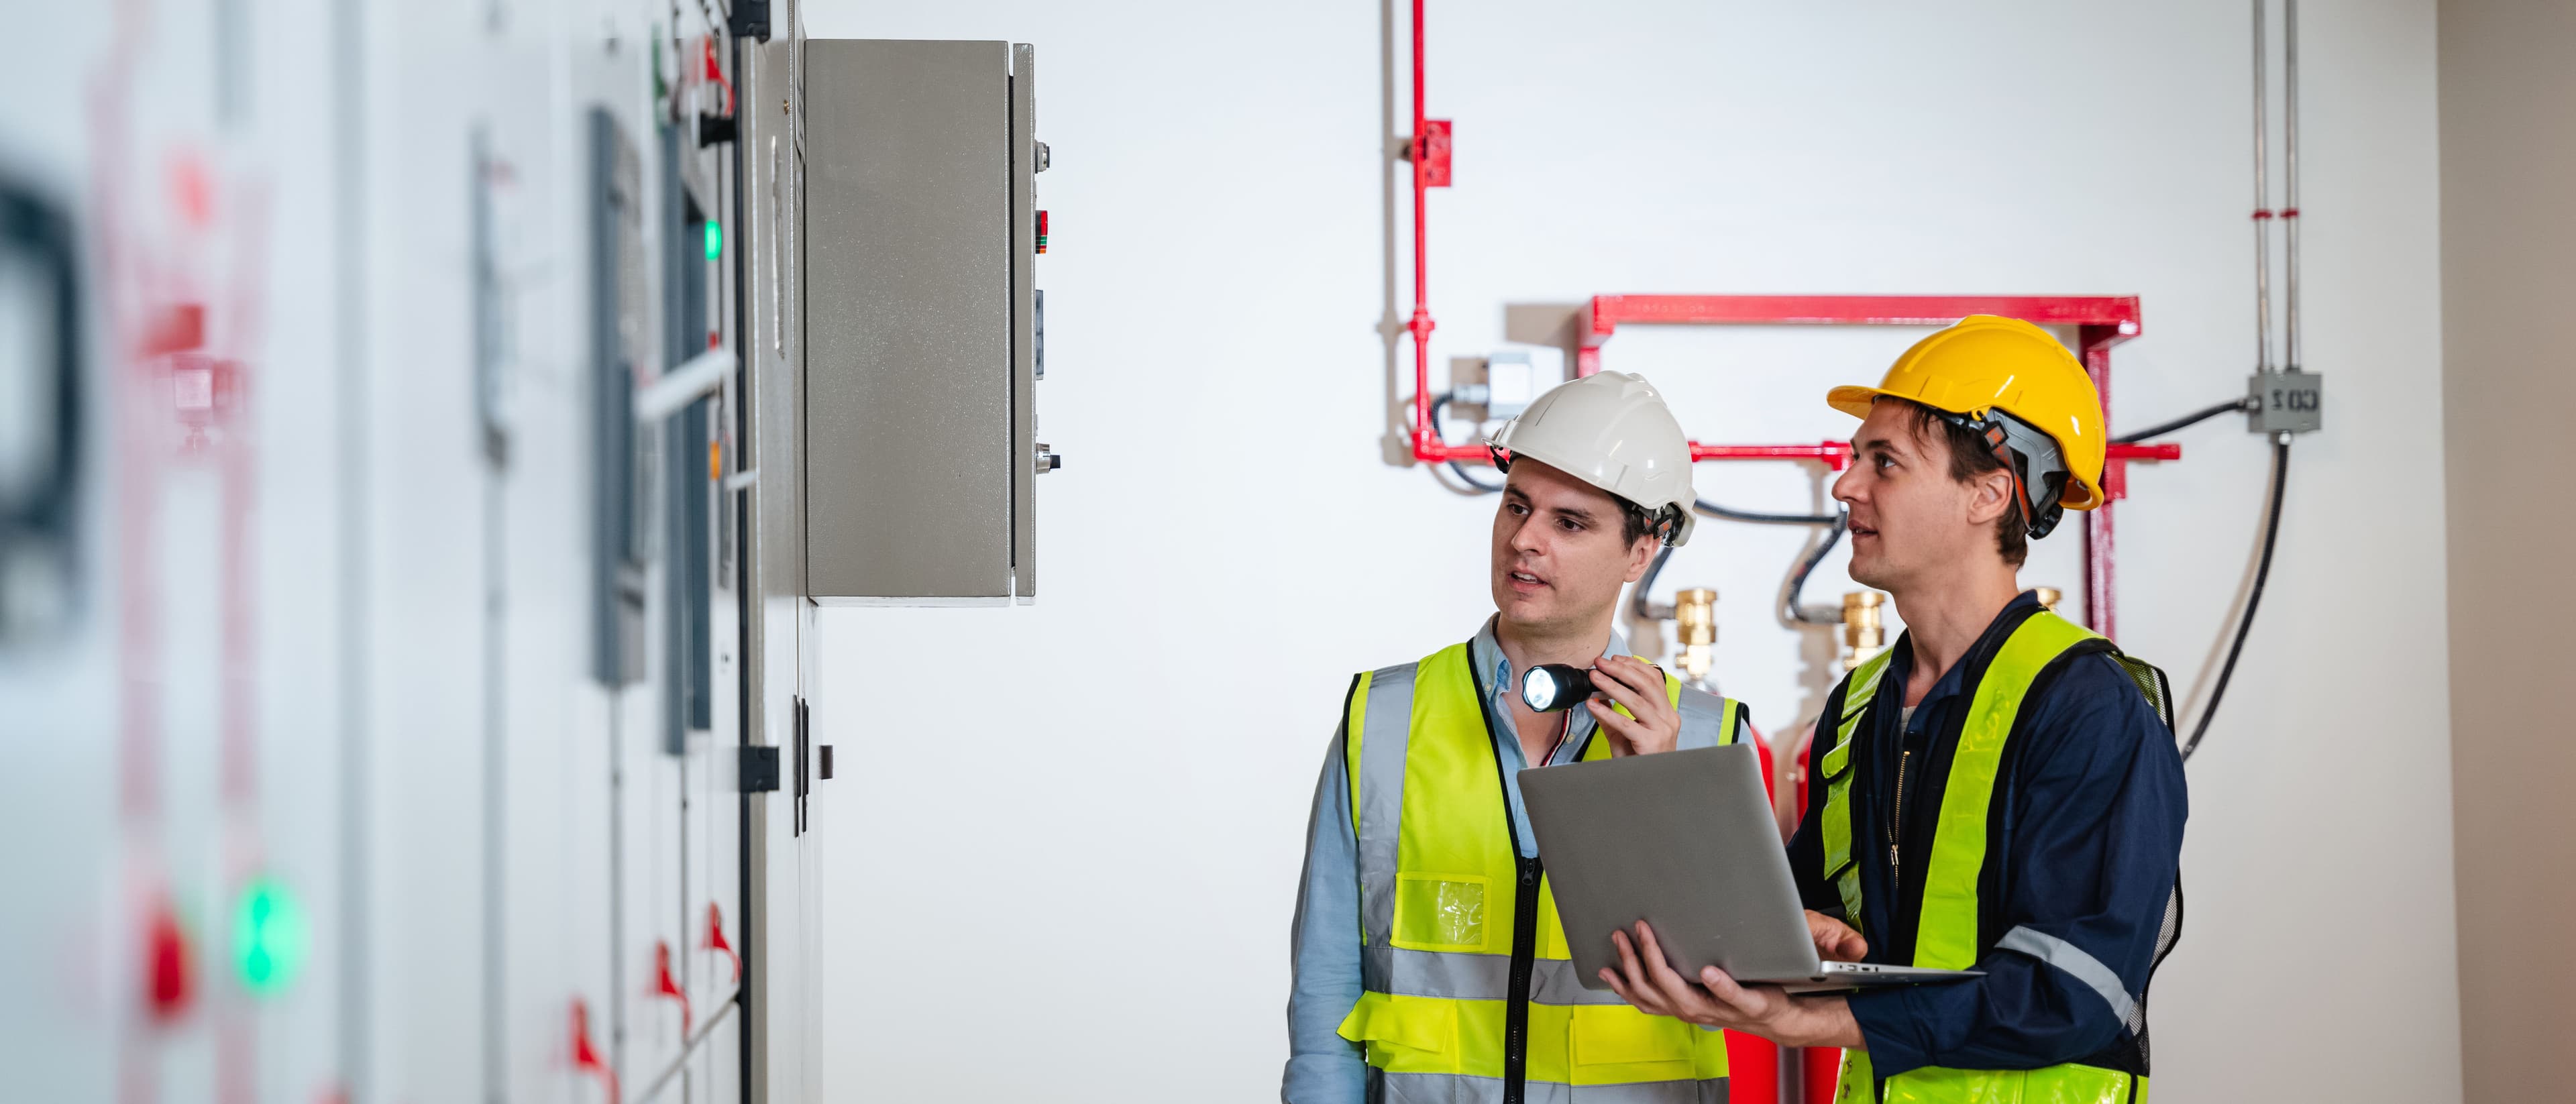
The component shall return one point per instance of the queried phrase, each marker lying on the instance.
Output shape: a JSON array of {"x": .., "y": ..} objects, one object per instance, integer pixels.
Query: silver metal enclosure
[
  {"x": 920, "y": 322},
  {"x": 2289, "y": 401}
]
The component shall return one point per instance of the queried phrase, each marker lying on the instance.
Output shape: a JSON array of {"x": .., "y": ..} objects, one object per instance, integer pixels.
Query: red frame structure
[{"x": 2100, "y": 322}]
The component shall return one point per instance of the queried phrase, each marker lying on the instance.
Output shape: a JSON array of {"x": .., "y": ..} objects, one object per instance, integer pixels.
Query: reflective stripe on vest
[
  {"x": 1946, "y": 928},
  {"x": 1438, "y": 873},
  {"x": 1840, "y": 867}
]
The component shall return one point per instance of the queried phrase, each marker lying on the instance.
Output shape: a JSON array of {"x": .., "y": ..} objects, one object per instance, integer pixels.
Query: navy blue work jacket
[{"x": 2082, "y": 852}]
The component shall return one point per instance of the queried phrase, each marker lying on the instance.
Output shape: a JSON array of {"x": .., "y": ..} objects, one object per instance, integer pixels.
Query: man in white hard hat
[{"x": 1429, "y": 963}]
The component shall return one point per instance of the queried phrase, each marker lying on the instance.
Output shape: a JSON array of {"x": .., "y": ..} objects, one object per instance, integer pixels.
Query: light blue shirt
[{"x": 1324, "y": 945}]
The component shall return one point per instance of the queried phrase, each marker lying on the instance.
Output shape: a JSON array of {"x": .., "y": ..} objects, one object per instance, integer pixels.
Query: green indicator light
[
  {"x": 269, "y": 937},
  {"x": 715, "y": 240}
]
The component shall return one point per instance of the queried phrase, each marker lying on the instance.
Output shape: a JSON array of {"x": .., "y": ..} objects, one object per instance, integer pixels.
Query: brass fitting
[
  {"x": 1695, "y": 621},
  {"x": 1864, "y": 635},
  {"x": 2048, "y": 597}
]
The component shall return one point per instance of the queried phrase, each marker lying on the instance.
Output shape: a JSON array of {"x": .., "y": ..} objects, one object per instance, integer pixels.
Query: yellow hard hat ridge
[{"x": 1986, "y": 363}]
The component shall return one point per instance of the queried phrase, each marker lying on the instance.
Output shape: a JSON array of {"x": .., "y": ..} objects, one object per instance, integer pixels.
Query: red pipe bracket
[
  {"x": 585, "y": 1057},
  {"x": 716, "y": 939},
  {"x": 667, "y": 985}
]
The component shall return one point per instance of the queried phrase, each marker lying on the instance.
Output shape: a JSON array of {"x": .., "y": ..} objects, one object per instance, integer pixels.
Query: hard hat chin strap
[
  {"x": 1668, "y": 524},
  {"x": 2033, "y": 460}
]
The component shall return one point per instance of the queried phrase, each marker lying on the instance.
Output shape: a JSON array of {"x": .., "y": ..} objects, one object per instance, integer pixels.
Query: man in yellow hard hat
[
  {"x": 1429, "y": 963},
  {"x": 2002, "y": 792}
]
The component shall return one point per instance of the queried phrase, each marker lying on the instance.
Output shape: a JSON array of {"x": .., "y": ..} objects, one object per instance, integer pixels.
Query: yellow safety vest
[
  {"x": 1471, "y": 991},
  {"x": 1947, "y": 929}
]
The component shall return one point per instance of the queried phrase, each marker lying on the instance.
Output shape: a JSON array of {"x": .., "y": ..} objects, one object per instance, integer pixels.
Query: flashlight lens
[
  {"x": 1538, "y": 690},
  {"x": 1549, "y": 687}
]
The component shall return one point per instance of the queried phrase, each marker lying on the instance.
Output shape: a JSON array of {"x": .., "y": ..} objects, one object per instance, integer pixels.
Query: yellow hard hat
[{"x": 1987, "y": 363}]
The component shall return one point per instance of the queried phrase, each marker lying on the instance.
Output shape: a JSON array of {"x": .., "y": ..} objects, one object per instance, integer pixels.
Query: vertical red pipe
[
  {"x": 2098, "y": 608},
  {"x": 1424, "y": 433}
]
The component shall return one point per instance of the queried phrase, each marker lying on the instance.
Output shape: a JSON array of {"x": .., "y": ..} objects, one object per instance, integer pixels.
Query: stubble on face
[
  {"x": 1904, "y": 509},
  {"x": 1559, "y": 552}
]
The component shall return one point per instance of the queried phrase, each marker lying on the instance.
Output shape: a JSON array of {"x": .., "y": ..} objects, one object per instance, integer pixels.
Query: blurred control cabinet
[{"x": 921, "y": 233}]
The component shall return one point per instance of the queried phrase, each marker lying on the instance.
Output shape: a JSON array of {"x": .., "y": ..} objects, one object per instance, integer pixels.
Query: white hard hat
[{"x": 1611, "y": 430}]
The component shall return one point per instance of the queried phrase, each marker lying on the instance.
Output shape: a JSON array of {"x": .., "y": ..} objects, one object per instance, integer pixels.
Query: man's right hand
[{"x": 1835, "y": 940}]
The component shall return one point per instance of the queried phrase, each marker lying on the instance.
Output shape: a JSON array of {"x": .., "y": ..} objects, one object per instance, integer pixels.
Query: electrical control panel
[
  {"x": 920, "y": 361},
  {"x": 617, "y": 281}
]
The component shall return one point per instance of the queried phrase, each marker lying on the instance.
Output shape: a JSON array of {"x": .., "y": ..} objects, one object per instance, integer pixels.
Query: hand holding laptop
[
  {"x": 1686, "y": 840},
  {"x": 1646, "y": 981},
  {"x": 1835, "y": 940}
]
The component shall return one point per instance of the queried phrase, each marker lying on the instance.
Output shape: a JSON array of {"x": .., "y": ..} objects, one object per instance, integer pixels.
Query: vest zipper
[
  {"x": 1524, "y": 913},
  {"x": 1896, "y": 824},
  {"x": 1516, "y": 1006}
]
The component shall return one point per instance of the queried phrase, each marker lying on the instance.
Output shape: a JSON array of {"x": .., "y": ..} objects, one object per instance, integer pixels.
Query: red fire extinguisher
[{"x": 1753, "y": 1063}]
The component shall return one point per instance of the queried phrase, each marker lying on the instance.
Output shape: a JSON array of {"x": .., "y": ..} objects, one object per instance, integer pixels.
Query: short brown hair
[
  {"x": 1634, "y": 521},
  {"x": 1970, "y": 458}
]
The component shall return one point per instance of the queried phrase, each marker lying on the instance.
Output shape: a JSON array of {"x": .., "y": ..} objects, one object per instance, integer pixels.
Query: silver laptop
[{"x": 1684, "y": 841}]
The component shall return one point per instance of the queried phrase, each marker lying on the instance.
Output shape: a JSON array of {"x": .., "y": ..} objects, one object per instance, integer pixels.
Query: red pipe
[
  {"x": 2101, "y": 612},
  {"x": 1832, "y": 454},
  {"x": 2103, "y": 321},
  {"x": 1426, "y": 436}
]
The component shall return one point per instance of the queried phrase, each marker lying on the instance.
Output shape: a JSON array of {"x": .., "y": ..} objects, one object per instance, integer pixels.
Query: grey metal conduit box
[{"x": 920, "y": 322}]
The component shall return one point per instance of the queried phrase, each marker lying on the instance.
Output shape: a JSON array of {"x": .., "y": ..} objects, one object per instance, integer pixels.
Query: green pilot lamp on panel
[
  {"x": 269, "y": 937},
  {"x": 715, "y": 240}
]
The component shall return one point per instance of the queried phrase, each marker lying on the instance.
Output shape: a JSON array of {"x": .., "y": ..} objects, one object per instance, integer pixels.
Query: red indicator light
[{"x": 171, "y": 975}]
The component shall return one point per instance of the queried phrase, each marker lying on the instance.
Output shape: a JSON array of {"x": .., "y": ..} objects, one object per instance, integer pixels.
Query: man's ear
[
  {"x": 1989, "y": 495},
  {"x": 1641, "y": 552}
]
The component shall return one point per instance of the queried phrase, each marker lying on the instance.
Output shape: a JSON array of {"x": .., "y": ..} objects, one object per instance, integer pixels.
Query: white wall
[{"x": 1067, "y": 838}]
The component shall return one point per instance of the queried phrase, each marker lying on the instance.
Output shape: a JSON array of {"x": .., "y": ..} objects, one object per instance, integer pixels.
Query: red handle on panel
[
  {"x": 666, "y": 985},
  {"x": 716, "y": 939},
  {"x": 585, "y": 1057}
]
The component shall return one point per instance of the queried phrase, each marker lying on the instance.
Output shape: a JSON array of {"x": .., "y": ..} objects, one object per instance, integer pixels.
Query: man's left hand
[
  {"x": 1649, "y": 983},
  {"x": 1639, "y": 685}
]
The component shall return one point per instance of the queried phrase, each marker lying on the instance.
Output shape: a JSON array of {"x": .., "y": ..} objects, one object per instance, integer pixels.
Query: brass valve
[
  {"x": 1695, "y": 621},
  {"x": 2048, "y": 598},
  {"x": 1864, "y": 635}
]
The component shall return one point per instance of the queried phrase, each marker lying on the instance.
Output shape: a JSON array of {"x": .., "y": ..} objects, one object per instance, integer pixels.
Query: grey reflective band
[
  {"x": 1707, "y": 720},
  {"x": 1455, "y": 975},
  {"x": 1449, "y": 1088},
  {"x": 1445, "y": 974},
  {"x": 1556, "y": 981},
  {"x": 2076, "y": 964},
  {"x": 1378, "y": 804}
]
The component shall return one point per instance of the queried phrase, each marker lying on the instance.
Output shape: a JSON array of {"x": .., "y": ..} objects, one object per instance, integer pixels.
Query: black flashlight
[{"x": 1552, "y": 687}]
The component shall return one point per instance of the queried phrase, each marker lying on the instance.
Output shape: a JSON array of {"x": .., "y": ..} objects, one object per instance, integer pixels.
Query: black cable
[
  {"x": 1479, "y": 486},
  {"x": 2192, "y": 419},
  {"x": 2262, "y": 571},
  {"x": 1710, "y": 509},
  {"x": 1789, "y": 607}
]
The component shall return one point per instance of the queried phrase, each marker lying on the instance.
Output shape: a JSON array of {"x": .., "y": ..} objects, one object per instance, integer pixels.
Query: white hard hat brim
[{"x": 1610, "y": 430}]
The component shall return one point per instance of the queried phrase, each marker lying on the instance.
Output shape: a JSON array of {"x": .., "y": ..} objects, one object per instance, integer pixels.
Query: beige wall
[{"x": 2508, "y": 126}]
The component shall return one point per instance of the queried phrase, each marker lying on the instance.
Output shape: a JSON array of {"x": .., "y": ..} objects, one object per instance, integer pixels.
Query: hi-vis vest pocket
[
  {"x": 1439, "y": 912},
  {"x": 1615, "y": 1034},
  {"x": 1405, "y": 1034}
]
